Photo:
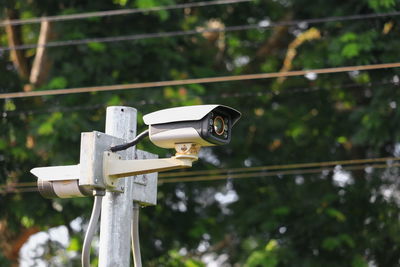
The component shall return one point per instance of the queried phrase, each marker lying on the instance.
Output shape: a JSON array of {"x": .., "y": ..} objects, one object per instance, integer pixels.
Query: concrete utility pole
[
  {"x": 117, "y": 208},
  {"x": 116, "y": 211}
]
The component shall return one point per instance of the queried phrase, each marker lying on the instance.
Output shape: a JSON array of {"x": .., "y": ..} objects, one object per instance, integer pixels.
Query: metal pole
[{"x": 116, "y": 214}]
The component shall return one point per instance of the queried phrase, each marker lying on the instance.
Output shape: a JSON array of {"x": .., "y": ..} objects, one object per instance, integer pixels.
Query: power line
[
  {"x": 246, "y": 171},
  {"x": 118, "y": 12},
  {"x": 197, "y": 81},
  {"x": 12, "y": 185},
  {"x": 23, "y": 190},
  {"x": 267, "y": 174},
  {"x": 136, "y": 37},
  {"x": 280, "y": 167},
  {"x": 15, "y": 189},
  {"x": 222, "y": 95}
]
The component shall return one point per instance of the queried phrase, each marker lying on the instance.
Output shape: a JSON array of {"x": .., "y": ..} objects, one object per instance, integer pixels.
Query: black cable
[
  {"x": 208, "y": 98},
  {"x": 130, "y": 144},
  {"x": 144, "y": 36},
  {"x": 117, "y": 12}
]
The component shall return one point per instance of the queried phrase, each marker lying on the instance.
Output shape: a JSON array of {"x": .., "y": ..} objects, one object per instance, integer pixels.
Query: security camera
[
  {"x": 60, "y": 182},
  {"x": 204, "y": 125}
]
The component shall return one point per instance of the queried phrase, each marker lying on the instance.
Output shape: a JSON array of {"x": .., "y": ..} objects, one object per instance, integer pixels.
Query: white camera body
[{"x": 204, "y": 125}]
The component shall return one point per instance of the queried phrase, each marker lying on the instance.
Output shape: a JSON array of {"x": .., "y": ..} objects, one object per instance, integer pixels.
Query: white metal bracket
[{"x": 114, "y": 167}]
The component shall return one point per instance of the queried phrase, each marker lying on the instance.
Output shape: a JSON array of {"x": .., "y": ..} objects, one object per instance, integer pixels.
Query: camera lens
[{"x": 219, "y": 125}]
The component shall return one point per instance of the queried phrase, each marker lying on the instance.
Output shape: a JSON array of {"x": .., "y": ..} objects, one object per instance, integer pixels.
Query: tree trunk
[{"x": 14, "y": 39}]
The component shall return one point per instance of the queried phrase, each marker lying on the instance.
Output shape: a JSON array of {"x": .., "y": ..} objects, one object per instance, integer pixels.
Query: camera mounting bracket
[{"x": 114, "y": 167}]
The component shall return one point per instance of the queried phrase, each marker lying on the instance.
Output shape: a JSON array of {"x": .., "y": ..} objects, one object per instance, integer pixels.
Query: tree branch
[
  {"x": 14, "y": 39},
  {"x": 269, "y": 46},
  {"x": 42, "y": 64}
]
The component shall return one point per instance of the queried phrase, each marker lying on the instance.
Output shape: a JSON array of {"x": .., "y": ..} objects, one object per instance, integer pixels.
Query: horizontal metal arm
[
  {"x": 114, "y": 167},
  {"x": 123, "y": 168}
]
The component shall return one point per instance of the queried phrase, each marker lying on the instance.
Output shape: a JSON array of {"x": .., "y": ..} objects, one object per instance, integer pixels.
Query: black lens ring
[{"x": 221, "y": 120}]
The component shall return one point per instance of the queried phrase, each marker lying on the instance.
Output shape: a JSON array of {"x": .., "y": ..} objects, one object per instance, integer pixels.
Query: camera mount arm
[{"x": 114, "y": 167}]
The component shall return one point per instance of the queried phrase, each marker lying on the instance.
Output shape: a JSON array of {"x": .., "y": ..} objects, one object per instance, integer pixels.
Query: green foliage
[
  {"x": 332, "y": 243},
  {"x": 4, "y": 261},
  {"x": 164, "y": 15},
  {"x": 267, "y": 257},
  {"x": 9, "y": 105},
  {"x": 97, "y": 47},
  {"x": 174, "y": 259},
  {"x": 58, "y": 82},
  {"x": 359, "y": 261},
  {"x": 47, "y": 128},
  {"x": 303, "y": 220},
  {"x": 75, "y": 244},
  {"x": 339, "y": 216},
  {"x": 380, "y": 5}
]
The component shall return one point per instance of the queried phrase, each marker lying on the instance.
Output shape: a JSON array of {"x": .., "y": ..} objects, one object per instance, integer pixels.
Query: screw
[
  {"x": 98, "y": 135},
  {"x": 96, "y": 180}
]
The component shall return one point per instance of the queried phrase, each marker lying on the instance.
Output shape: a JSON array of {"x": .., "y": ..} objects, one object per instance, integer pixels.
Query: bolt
[
  {"x": 98, "y": 135},
  {"x": 96, "y": 180}
]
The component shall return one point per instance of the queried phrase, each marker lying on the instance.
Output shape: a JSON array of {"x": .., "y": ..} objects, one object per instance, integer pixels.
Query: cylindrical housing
[{"x": 61, "y": 189}]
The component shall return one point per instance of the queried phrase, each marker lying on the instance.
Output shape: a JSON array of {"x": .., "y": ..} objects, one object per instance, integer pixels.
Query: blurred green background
[{"x": 329, "y": 217}]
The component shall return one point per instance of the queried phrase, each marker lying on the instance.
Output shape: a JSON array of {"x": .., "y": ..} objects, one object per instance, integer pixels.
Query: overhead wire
[
  {"x": 268, "y": 174},
  {"x": 26, "y": 184},
  {"x": 143, "y": 36},
  {"x": 220, "y": 95},
  {"x": 19, "y": 190},
  {"x": 244, "y": 175},
  {"x": 280, "y": 167},
  {"x": 268, "y": 170},
  {"x": 231, "y": 78},
  {"x": 118, "y": 12}
]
